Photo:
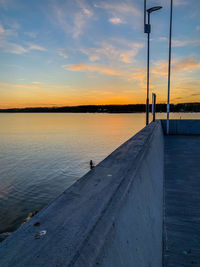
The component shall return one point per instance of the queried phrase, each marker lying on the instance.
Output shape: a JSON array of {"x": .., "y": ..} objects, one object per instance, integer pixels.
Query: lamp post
[
  {"x": 147, "y": 29},
  {"x": 169, "y": 69}
]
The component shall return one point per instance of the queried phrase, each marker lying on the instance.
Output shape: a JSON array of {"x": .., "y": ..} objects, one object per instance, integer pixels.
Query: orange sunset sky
[{"x": 59, "y": 53}]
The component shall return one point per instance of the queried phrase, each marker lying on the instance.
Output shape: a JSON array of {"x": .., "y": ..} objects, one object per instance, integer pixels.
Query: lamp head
[{"x": 152, "y": 9}]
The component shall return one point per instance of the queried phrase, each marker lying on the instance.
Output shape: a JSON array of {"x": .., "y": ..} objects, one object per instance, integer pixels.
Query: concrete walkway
[{"x": 182, "y": 201}]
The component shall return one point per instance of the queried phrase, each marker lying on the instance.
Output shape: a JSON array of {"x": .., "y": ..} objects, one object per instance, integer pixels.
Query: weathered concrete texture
[
  {"x": 111, "y": 217},
  {"x": 182, "y": 201},
  {"x": 136, "y": 236},
  {"x": 182, "y": 127}
]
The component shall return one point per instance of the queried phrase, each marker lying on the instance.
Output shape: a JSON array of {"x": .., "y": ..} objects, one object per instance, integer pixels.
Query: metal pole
[
  {"x": 145, "y": 10},
  {"x": 169, "y": 70},
  {"x": 148, "y": 49},
  {"x": 154, "y": 107}
]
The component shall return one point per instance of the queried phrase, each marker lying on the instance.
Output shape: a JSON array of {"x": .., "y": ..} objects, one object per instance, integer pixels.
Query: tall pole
[
  {"x": 145, "y": 10},
  {"x": 169, "y": 70},
  {"x": 148, "y": 50}
]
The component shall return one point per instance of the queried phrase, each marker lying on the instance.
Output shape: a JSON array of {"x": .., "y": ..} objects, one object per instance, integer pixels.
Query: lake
[{"x": 41, "y": 154}]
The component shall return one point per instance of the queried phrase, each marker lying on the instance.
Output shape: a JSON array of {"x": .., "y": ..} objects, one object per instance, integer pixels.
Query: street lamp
[{"x": 147, "y": 29}]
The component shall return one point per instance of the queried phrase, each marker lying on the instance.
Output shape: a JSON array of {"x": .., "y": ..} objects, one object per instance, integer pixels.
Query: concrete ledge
[
  {"x": 182, "y": 127},
  {"x": 112, "y": 216}
]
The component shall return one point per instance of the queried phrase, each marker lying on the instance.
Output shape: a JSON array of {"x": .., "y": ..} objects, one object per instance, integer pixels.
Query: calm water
[{"x": 43, "y": 154}]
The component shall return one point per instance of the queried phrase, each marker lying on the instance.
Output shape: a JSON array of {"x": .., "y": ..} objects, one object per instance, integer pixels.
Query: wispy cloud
[
  {"x": 9, "y": 46},
  {"x": 2, "y": 30},
  {"x": 178, "y": 43},
  {"x": 7, "y": 32},
  {"x": 92, "y": 68},
  {"x": 181, "y": 43},
  {"x": 5, "y": 3},
  {"x": 160, "y": 70},
  {"x": 12, "y": 48},
  {"x": 80, "y": 18},
  {"x": 22, "y": 86},
  {"x": 62, "y": 53},
  {"x": 115, "y": 50},
  {"x": 32, "y": 35},
  {"x": 180, "y": 2},
  {"x": 137, "y": 74},
  {"x": 116, "y": 21},
  {"x": 121, "y": 12},
  {"x": 17, "y": 49},
  {"x": 36, "y": 82},
  {"x": 72, "y": 20},
  {"x": 119, "y": 8},
  {"x": 36, "y": 47},
  {"x": 188, "y": 64}
]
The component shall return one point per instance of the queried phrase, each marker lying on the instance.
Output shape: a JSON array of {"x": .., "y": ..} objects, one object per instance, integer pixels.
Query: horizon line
[{"x": 92, "y": 105}]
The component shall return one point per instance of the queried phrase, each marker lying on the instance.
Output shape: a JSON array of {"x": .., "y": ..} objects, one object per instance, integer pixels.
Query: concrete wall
[
  {"x": 182, "y": 127},
  {"x": 111, "y": 217}
]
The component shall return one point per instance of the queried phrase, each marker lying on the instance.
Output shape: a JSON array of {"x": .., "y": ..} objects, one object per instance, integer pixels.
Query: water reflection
[{"x": 43, "y": 154}]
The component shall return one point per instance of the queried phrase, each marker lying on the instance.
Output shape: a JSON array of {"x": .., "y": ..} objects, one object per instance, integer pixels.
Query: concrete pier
[
  {"x": 182, "y": 201},
  {"x": 117, "y": 214}
]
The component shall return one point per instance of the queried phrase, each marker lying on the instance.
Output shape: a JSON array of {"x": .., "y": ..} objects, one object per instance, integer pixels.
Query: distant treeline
[{"x": 183, "y": 107}]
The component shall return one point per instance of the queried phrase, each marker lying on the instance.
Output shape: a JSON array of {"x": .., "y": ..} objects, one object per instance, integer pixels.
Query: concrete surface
[
  {"x": 182, "y": 127},
  {"x": 136, "y": 238},
  {"x": 182, "y": 201},
  {"x": 110, "y": 217}
]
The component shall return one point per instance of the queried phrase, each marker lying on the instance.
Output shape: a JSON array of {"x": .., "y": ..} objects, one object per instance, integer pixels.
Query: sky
[{"x": 80, "y": 52}]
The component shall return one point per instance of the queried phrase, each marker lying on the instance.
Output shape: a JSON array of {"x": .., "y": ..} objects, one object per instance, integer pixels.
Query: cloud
[
  {"x": 6, "y": 33},
  {"x": 178, "y": 43},
  {"x": 181, "y": 43},
  {"x": 12, "y": 48},
  {"x": 36, "y": 47},
  {"x": 92, "y": 68},
  {"x": 62, "y": 53},
  {"x": 160, "y": 69},
  {"x": 187, "y": 64},
  {"x": 8, "y": 46},
  {"x": 5, "y": 3},
  {"x": 177, "y": 3},
  {"x": 121, "y": 12},
  {"x": 141, "y": 77},
  {"x": 126, "y": 56},
  {"x": 116, "y": 21},
  {"x": 72, "y": 17},
  {"x": 25, "y": 86},
  {"x": 32, "y": 35},
  {"x": 17, "y": 49},
  {"x": 80, "y": 20},
  {"x": 2, "y": 30},
  {"x": 36, "y": 82},
  {"x": 117, "y": 50},
  {"x": 180, "y": 2},
  {"x": 119, "y": 8},
  {"x": 198, "y": 28},
  {"x": 163, "y": 39},
  {"x": 129, "y": 75}
]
